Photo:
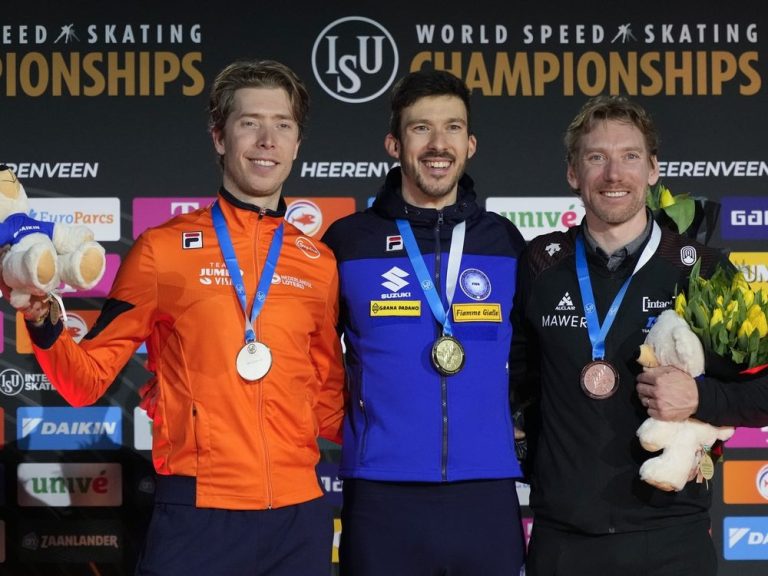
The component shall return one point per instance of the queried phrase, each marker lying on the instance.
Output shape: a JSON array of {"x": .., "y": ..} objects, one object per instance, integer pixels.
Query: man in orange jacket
[{"x": 238, "y": 310}]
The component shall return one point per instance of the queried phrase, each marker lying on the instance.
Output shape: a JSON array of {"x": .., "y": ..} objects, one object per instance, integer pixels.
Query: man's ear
[
  {"x": 217, "y": 135},
  {"x": 573, "y": 178},
  {"x": 392, "y": 146}
]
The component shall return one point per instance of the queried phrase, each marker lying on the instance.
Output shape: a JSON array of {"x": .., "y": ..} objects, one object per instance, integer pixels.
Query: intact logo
[
  {"x": 355, "y": 59},
  {"x": 395, "y": 280},
  {"x": 47, "y": 428},
  {"x": 745, "y": 538},
  {"x": 306, "y": 216},
  {"x": 655, "y": 305},
  {"x": 475, "y": 284},
  {"x": 394, "y": 243},
  {"x": 191, "y": 240},
  {"x": 688, "y": 255},
  {"x": 67, "y": 484},
  {"x": 566, "y": 303},
  {"x": 306, "y": 246}
]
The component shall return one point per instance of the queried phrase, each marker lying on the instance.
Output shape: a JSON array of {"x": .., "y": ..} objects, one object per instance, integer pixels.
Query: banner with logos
[{"x": 103, "y": 110}]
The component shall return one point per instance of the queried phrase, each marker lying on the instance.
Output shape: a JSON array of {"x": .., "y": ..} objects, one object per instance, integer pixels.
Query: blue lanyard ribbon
[
  {"x": 265, "y": 280},
  {"x": 425, "y": 280},
  {"x": 597, "y": 332}
]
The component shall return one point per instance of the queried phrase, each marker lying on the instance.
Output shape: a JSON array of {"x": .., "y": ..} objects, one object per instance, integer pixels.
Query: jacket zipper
[
  {"x": 262, "y": 212},
  {"x": 443, "y": 381}
]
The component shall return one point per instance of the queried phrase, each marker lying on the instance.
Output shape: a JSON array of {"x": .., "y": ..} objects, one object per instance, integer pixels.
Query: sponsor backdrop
[{"x": 103, "y": 118}]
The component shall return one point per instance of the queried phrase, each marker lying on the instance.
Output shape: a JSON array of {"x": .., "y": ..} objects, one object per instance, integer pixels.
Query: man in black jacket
[{"x": 586, "y": 299}]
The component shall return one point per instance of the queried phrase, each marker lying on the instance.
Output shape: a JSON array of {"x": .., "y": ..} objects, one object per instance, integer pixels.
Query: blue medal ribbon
[
  {"x": 265, "y": 280},
  {"x": 425, "y": 280},
  {"x": 598, "y": 332}
]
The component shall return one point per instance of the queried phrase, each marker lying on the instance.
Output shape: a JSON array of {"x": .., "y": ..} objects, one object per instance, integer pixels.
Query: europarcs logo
[{"x": 355, "y": 59}]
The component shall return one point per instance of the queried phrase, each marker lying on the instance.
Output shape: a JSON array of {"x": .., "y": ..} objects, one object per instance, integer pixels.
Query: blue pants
[
  {"x": 680, "y": 550},
  {"x": 183, "y": 540},
  {"x": 418, "y": 529}
]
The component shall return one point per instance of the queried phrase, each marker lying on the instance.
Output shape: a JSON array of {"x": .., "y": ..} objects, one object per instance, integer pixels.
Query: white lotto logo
[
  {"x": 305, "y": 215},
  {"x": 142, "y": 430},
  {"x": 535, "y": 215},
  {"x": 101, "y": 215},
  {"x": 761, "y": 481},
  {"x": 355, "y": 59},
  {"x": 64, "y": 484}
]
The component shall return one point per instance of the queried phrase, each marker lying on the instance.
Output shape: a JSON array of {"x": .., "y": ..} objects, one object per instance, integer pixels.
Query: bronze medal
[
  {"x": 599, "y": 380},
  {"x": 448, "y": 355}
]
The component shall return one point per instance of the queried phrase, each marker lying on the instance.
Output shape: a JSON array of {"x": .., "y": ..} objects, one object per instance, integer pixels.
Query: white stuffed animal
[
  {"x": 671, "y": 342},
  {"x": 37, "y": 256}
]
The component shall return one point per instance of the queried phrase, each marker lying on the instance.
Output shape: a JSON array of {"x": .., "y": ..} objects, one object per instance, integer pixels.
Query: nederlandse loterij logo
[{"x": 355, "y": 59}]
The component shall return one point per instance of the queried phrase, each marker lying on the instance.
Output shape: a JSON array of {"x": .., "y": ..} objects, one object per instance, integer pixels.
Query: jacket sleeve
[
  {"x": 325, "y": 351},
  {"x": 82, "y": 372},
  {"x": 734, "y": 402}
]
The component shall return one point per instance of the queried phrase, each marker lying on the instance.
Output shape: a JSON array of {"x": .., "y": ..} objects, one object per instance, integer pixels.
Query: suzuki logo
[{"x": 395, "y": 279}]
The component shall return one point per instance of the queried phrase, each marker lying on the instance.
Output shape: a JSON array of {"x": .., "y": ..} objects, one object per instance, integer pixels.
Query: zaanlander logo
[{"x": 355, "y": 59}]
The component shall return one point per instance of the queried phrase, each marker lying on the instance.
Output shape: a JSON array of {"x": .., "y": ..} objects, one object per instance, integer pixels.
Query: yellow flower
[
  {"x": 717, "y": 318},
  {"x": 745, "y": 329},
  {"x": 740, "y": 282},
  {"x": 757, "y": 317},
  {"x": 749, "y": 296},
  {"x": 680, "y": 304},
  {"x": 665, "y": 197}
]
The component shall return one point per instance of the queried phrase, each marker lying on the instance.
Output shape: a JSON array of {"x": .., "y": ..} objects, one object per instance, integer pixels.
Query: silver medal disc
[{"x": 254, "y": 361}]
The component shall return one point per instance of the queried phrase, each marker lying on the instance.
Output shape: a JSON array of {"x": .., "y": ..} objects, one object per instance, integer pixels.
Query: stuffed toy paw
[
  {"x": 671, "y": 342},
  {"x": 37, "y": 256}
]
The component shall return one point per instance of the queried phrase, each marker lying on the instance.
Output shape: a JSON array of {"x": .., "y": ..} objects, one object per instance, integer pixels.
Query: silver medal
[{"x": 254, "y": 361}]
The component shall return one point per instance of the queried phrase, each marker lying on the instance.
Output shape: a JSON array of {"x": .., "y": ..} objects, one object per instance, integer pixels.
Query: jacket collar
[
  {"x": 389, "y": 202},
  {"x": 227, "y": 195}
]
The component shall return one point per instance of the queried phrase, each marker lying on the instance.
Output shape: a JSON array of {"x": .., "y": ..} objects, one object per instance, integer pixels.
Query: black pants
[
  {"x": 415, "y": 529},
  {"x": 680, "y": 550},
  {"x": 186, "y": 541}
]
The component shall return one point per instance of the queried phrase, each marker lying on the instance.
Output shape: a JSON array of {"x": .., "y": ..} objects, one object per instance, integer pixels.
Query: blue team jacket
[{"x": 404, "y": 421}]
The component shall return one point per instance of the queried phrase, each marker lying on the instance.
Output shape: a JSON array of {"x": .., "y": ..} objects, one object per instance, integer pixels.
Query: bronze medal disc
[
  {"x": 599, "y": 380},
  {"x": 448, "y": 355}
]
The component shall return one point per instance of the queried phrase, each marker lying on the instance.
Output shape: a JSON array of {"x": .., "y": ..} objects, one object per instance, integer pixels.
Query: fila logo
[
  {"x": 191, "y": 240},
  {"x": 566, "y": 303},
  {"x": 395, "y": 279},
  {"x": 394, "y": 243},
  {"x": 552, "y": 249}
]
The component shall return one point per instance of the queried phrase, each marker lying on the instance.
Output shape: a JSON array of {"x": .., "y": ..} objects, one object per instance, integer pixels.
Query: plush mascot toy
[
  {"x": 37, "y": 256},
  {"x": 671, "y": 342}
]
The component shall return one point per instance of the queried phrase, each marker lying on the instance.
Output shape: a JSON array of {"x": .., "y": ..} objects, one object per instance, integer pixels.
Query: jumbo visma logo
[{"x": 47, "y": 428}]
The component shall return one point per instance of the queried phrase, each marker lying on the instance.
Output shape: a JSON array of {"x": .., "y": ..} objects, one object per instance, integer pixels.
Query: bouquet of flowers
[
  {"x": 729, "y": 317},
  {"x": 694, "y": 217}
]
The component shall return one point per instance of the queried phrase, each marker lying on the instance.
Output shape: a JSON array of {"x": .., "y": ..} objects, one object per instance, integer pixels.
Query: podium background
[{"x": 103, "y": 115}]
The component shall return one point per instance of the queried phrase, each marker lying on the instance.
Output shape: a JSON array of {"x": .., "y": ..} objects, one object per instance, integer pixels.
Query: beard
[{"x": 432, "y": 187}]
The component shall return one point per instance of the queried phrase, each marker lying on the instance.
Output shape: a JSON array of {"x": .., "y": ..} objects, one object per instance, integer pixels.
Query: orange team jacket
[{"x": 251, "y": 445}]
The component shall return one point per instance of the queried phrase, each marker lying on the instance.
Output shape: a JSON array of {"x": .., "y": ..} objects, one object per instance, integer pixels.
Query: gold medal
[
  {"x": 254, "y": 361},
  {"x": 599, "y": 380},
  {"x": 448, "y": 355},
  {"x": 706, "y": 466}
]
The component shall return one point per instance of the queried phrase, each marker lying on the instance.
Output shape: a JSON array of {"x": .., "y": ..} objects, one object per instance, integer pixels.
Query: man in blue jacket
[{"x": 427, "y": 280}]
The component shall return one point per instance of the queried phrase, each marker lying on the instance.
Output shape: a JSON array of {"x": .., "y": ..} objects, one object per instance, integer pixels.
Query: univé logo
[{"x": 354, "y": 59}]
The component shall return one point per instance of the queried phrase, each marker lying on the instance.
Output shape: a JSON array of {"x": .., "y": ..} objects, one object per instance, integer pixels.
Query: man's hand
[{"x": 667, "y": 393}]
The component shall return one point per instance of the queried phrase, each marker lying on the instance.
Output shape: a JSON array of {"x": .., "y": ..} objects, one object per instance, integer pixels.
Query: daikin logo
[
  {"x": 745, "y": 538},
  {"x": 46, "y": 428}
]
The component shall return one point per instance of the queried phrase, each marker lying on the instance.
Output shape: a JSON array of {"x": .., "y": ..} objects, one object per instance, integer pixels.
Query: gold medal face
[
  {"x": 254, "y": 361},
  {"x": 599, "y": 380},
  {"x": 448, "y": 355}
]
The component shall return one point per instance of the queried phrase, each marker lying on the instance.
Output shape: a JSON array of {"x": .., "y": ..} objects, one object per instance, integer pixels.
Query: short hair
[
  {"x": 256, "y": 74},
  {"x": 421, "y": 84},
  {"x": 619, "y": 108}
]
